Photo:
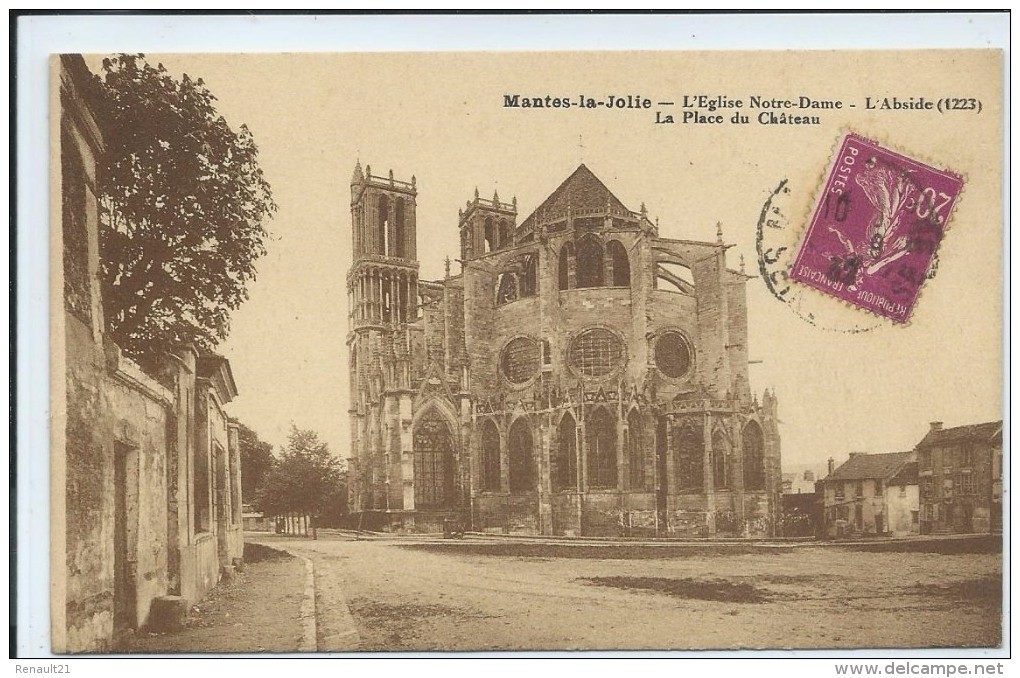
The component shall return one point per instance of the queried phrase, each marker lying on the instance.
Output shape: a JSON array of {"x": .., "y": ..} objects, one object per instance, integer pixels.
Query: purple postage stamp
[{"x": 876, "y": 228}]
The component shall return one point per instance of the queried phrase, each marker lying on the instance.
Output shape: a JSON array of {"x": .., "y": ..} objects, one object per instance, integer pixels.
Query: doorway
[{"x": 125, "y": 538}]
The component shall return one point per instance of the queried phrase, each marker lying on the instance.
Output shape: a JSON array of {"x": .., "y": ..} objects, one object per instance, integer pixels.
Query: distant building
[
  {"x": 255, "y": 521},
  {"x": 872, "y": 494},
  {"x": 802, "y": 505},
  {"x": 960, "y": 471},
  {"x": 145, "y": 469},
  {"x": 801, "y": 482}
]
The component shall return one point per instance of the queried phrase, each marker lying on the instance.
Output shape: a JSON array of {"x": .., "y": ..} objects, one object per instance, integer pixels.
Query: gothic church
[{"x": 580, "y": 375}]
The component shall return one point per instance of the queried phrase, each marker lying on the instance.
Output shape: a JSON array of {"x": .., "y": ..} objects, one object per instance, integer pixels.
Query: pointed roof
[{"x": 581, "y": 190}]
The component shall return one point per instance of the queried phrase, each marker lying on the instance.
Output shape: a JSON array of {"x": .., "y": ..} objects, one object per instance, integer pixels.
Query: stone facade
[
  {"x": 960, "y": 475},
  {"x": 145, "y": 469},
  {"x": 580, "y": 375}
]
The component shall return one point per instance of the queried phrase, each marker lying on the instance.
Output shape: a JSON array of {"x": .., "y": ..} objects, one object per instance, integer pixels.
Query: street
[{"x": 407, "y": 594}]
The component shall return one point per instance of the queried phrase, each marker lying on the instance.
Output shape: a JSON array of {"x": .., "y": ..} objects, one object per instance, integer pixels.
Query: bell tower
[
  {"x": 486, "y": 226},
  {"x": 383, "y": 281},
  {"x": 382, "y": 296}
]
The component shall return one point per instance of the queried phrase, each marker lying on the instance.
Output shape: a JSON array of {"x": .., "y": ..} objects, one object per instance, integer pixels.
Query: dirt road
[
  {"x": 259, "y": 611},
  {"x": 434, "y": 595}
]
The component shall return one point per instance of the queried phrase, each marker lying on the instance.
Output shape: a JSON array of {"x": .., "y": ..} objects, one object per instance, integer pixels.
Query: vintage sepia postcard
[{"x": 510, "y": 351}]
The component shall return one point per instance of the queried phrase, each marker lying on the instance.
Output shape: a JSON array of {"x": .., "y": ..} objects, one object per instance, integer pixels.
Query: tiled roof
[
  {"x": 862, "y": 466},
  {"x": 959, "y": 434},
  {"x": 906, "y": 476},
  {"x": 581, "y": 190}
]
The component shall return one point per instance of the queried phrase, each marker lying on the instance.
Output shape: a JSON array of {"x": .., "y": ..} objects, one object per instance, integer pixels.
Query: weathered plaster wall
[{"x": 107, "y": 417}]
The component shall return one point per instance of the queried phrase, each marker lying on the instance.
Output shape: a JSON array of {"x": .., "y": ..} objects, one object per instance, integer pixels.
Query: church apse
[{"x": 580, "y": 374}]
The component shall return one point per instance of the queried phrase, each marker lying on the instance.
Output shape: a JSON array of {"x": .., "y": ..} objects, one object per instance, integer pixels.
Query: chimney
[
  {"x": 832, "y": 465},
  {"x": 936, "y": 426},
  {"x": 809, "y": 475}
]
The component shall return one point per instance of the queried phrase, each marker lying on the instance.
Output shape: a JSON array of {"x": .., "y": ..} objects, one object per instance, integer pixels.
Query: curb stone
[
  {"x": 309, "y": 631},
  {"x": 347, "y": 639},
  {"x": 339, "y": 630}
]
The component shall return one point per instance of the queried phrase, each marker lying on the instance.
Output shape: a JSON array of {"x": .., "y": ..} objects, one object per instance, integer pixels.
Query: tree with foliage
[
  {"x": 256, "y": 462},
  {"x": 184, "y": 203},
  {"x": 305, "y": 479}
]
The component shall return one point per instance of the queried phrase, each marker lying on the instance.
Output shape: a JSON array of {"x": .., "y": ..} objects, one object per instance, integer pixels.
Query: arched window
[
  {"x": 387, "y": 298},
  {"x": 620, "y": 263},
  {"x": 566, "y": 257},
  {"x": 529, "y": 276},
  {"x": 399, "y": 234},
  {"x": 383, "y": 226},
  {"x": 507, "y": 290},
  {"x": 565, "y": 470},
  {"x": 354, "y": 368},
  {"x": 520, "y": 452},
  {"x": 490, "y": 456},
  {"x": 433, "y": 463},
  {"x": 505, "y": 236},
  {"x": 589, "y": 262},
  {"x": 601, "y": 440},
  {"x": 690, "y": 458},
  {"x": 490, "y": 235},
  {"x": 754, "y": 457},
  {"x": 636, "y": 451},
  {"x": 720, "y": 450}
]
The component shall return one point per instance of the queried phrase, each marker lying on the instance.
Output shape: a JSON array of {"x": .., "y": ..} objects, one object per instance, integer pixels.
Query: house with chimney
[
  {"x": 871, "y": 494},
  {"x": 960, "y": 473}
]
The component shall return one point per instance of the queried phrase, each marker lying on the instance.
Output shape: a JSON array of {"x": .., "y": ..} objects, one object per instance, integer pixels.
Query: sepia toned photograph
[{"x": 526, "y": 351}]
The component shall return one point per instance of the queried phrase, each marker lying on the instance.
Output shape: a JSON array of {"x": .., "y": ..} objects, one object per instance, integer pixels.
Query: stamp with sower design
[{"x": 876, "y": 228}]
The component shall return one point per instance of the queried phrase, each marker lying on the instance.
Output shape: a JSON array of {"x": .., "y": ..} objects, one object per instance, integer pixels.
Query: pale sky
[{"x": 440, "y": 117}]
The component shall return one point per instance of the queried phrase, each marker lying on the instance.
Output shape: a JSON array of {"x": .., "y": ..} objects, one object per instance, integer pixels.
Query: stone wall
[{"x": 115, "y": 455}]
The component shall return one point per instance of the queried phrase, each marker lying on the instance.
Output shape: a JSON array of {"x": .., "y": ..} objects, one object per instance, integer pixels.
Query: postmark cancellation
[{"x": 876, "y": 228}]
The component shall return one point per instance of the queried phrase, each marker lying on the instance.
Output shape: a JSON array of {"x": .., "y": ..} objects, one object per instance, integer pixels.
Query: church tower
[
  {"x": 382, "y": 295},
  {"x": 486, "y": 226},
  {"x": 383, "y": 280}
]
